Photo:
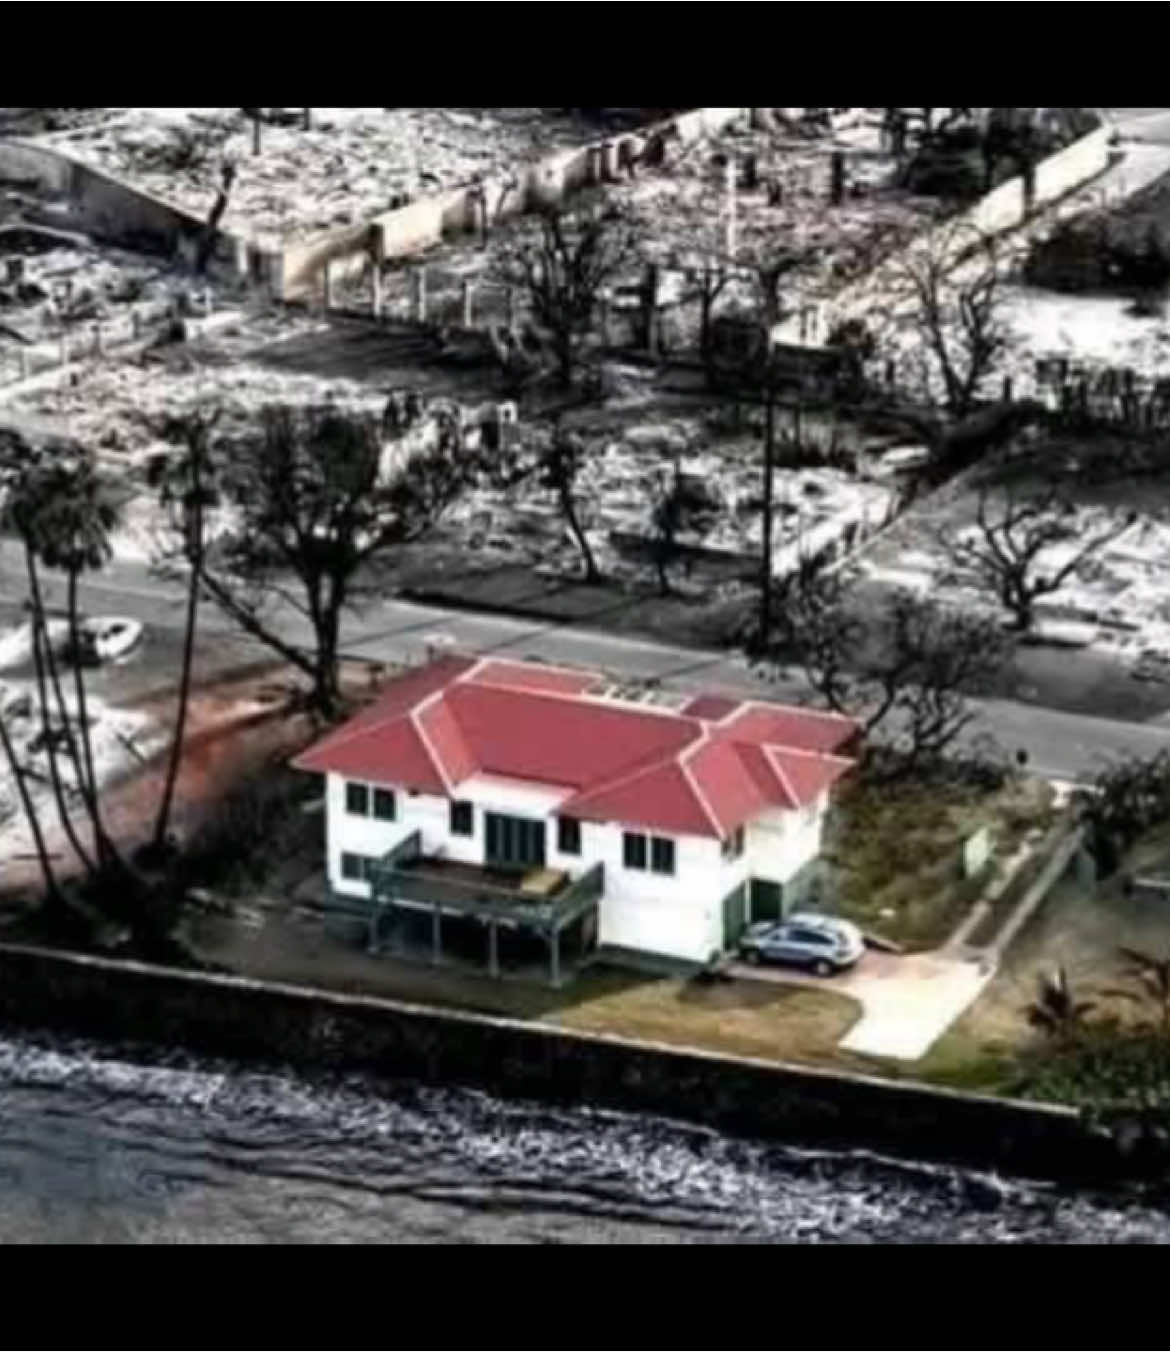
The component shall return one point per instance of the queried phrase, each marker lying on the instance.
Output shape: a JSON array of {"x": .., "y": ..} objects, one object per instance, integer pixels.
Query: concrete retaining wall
[{"x": 235, "y": 1017}]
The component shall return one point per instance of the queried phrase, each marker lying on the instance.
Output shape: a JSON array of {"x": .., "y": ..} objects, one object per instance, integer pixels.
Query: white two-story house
[{"x": 527, "y": 795}]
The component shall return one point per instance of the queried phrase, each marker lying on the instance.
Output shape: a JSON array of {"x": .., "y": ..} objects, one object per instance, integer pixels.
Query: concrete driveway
[{"x": 908, "y": 1001}]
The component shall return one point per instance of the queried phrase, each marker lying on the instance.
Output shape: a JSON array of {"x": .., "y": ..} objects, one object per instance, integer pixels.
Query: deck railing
[{"x": 401, "y": 875}]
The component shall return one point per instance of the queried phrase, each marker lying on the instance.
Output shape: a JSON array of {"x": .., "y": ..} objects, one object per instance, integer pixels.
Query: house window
[
  {"x": 357, "y": 800},
  {"x": 513, "y": 842},
  {"x": 462, "y": 818},
  {"x": 634, "y": 850},
  {"x": 662, "y": 855},
  {"x": 733, "y": 846},
  {"x": 356, "y": 867},
  {"x": 568, "y": 836},
  {"x": 384, "y": 805}
]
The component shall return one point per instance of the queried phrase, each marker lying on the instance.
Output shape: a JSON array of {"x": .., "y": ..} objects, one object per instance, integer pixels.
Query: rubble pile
[
  {"x": 1121, "y": 595},
  {"x": 351, "y": 165},
  {"x": 679, "y": 208},
  {"x": 52, "y": 284},
  {"x": 782, "y": 202},
  {"x": 615, "y": 492}
]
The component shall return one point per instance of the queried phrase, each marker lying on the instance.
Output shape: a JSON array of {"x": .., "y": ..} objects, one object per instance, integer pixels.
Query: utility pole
[
  {"x": 730, "y": 241},
  {"x": 765, "y": 624}
]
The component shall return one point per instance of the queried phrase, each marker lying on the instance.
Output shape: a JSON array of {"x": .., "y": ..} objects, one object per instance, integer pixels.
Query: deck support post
[
  {"x": 554, "y": 952},
  {"x": 436, "y": 934},
  {"x": 493, "y": 949}
]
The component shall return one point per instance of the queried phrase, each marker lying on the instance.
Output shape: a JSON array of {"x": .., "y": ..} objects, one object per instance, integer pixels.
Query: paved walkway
[{"x": 908, "y": 1000}]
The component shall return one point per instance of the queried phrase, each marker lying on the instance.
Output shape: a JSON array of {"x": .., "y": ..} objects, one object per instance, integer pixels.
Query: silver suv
[{"x": 825, "y": 944}]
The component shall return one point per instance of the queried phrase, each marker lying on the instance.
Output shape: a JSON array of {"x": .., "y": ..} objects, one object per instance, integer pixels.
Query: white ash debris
[
  {"x": 16, "y": 644},
  {"x": 349, "y": 167},
  {"x": 614, "y": 495},
  {"x": 121, "y": 739}
]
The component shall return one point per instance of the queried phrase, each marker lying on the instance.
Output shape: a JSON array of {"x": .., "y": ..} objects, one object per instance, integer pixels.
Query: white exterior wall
[
  {"x": 779, "y": 845},
  {"x": 367, "y": 835},
  {"x": 679, "y": 915}
]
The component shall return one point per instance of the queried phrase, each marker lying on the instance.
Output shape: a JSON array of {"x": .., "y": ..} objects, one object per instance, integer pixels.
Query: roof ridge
[
  {"x": 465, "y": 677},
  {"x": 343, "y": 736},
  {"x": 802, "y": 751},
  {"x": 428, "y": 746},
  {"x": 765, "y": 749},
  {"x": 645, "y": 763},
  {"x": 704, "y": 740}
]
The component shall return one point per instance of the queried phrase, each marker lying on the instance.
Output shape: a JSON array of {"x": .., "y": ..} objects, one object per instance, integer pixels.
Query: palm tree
[
  {"x": 1055, "y": 1011},
  {"x": 185, "y": 486},
  {"x": 30, "y": 811},
  {"x": 65, "y": 518},
  {"x": 24, "y": 498}
]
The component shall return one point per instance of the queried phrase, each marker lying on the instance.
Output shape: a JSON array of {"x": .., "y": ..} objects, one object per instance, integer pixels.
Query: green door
[
  {"x": 734, "y": 916},
  {"x": 767, "y": 900}
]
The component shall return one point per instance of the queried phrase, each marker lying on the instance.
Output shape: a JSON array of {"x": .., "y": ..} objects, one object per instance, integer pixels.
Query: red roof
[
  {"x": 704, "y": 772},
  {"x": 711, "y": 707},
  {"x": 814, "y": 730},
  {"x": 534, "y": 677}
]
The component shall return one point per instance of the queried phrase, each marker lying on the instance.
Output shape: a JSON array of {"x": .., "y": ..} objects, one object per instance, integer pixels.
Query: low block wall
[{"x": 235, "y": 1017}]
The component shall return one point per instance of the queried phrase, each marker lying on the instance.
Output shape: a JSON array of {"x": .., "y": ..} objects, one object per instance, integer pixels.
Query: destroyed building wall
[
  {"x": 412, "y": 228},
  {"x": 1001, "y": 210},
  {"x": 104, "y": 206}
]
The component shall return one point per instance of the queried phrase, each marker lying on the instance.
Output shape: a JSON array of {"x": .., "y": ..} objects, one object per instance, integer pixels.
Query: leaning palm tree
[
  {"x": 65, "y": 518},
  {"x": 1055, "y": 1011},
  {"x": 186, "y": 488},
  {"x": 20, "y": 499},
  {"x": 30, "y": 812}
]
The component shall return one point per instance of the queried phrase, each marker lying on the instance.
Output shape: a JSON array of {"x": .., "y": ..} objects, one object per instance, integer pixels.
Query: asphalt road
[
  {"x": 1066, "y": 746},
  {"x": 1141, "y": 124},
  {"x": 1060, "y": 745}
]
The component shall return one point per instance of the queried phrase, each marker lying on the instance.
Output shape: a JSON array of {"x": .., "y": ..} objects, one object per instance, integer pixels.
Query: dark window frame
[
  {"x": 635, "y": 851},
  {"x": 458, "y": 811},
  {"x": 663, "y": 846},
  {"x": 569, "y": 835},
  {"x": 379, "y": 799},
  {"x": 355, "y": 789}
]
